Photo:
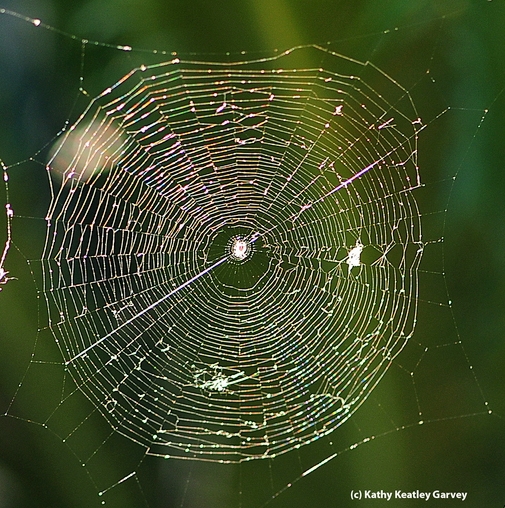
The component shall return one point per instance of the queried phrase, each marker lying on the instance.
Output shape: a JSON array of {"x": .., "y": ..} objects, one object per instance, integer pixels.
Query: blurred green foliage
[{"x": 462, "y": 45}]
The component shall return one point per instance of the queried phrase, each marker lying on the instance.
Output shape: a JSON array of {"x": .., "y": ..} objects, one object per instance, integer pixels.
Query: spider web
[
  {"x": 185, "y": 347},
  {"x": 231, "y": 261}
]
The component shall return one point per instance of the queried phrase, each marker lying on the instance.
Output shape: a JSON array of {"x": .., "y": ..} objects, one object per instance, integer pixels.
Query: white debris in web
[
  {"x": 214, "y": 380},
  {"x": 9, "y": 215},
  {"x": 354, "y": 256}
]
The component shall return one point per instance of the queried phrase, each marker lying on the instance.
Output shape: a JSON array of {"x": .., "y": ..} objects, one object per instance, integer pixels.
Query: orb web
[{"x": 230, "y": 264}]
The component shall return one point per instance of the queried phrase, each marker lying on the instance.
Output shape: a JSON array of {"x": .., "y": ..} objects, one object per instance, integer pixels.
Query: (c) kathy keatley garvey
[{"x": 414, "y": 494}]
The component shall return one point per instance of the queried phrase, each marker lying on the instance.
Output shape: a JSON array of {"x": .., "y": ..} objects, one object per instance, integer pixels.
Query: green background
[{"x": 462, "y": 44}]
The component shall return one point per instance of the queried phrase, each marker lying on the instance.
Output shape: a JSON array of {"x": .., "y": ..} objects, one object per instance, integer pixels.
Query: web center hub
[{"x": 239, "y": 248}]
